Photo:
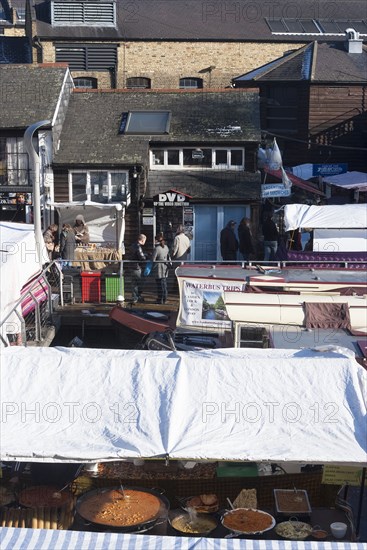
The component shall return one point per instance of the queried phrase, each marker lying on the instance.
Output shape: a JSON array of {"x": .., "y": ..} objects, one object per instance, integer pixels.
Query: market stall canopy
[
  {"x": 350, "y": 180},
  {"x": 19, "y": 264},
  {"x": 106, "y": 221},
  {"x": 331, "y": 216},
  {"x": 230, "y": 404},
  {"x": 44, "y": 539}
]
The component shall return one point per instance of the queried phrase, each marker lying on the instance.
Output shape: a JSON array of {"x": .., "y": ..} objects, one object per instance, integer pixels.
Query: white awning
[
  {"x": 331, "y": 216},
  {"x": 42, "y": 539},
  {"x": 350, "y": 180},
  {"x": 18, "y": 264},
  {"x": 87, "y": 405},
  {"x": 106, "y": 222}
]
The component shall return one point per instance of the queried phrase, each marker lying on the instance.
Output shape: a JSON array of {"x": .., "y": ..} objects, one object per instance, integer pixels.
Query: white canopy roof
[
  {"x": 18, "y": 263},
  {"x": 350, "y": 180},
  {"x": 80, "y": 405},
  {"x": 330, "y": 216}
]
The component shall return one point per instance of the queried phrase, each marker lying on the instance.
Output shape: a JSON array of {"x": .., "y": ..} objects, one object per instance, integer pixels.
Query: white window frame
[
  {"x": 181, "y": 166},
  {"x": 89, "y": 187}
]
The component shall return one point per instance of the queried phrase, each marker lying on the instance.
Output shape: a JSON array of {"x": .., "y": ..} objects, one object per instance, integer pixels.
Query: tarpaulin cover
[
  {"x": 330, "y": 216},
  {"x": 350, "y": 180},
  {"x": 75, "y": 404}
]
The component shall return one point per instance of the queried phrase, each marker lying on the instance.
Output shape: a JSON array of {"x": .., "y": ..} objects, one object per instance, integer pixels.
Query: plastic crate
[
  {"x": 112, "y": 286},
  {"x": 91, "y": 286}
]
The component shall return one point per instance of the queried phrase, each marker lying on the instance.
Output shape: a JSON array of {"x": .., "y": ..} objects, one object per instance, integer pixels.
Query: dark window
[
  {"x": 281, "y": 109},
  {"x": 79, "y": 187},
  {"x": 191, "y": 83},
  {"x": 87, "y": 58},
  {"x": 138, "y": 82},
  {"x": 83, "y": 13},
  {"x": 173, "y": 157},
  {"x": 81, "y": 82},
  {"x": 293, "y": 26},
  {"x": 21, "y": 14},
  {"x": 236, "y": 157},
  {"x": 206, "y": 159},
  {"x": 145, "y": 122},
  {"x": 221, "y": 156}
]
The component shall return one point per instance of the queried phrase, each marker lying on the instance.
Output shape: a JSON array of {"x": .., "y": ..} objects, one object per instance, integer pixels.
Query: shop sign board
[
  {"x": 171, "y": 198},
  {"x": 329, "y": 169},
  {"x": 202, "y": 302},
  {"x": 338, "y": 475},
  {"x": 274, "y": 190},
  {"x": 15, "y": 198}
]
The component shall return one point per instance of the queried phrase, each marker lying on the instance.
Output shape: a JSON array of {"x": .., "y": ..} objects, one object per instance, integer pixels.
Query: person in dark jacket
[
  {"x": 67, "y": 243},
  {"x": 138, "y": 259},
  {"x": 271, "y": 236},
  {"x": 246, "y": 246},
  {"x": 229, "y": 242},
  {"x": 161, "y": 260}
]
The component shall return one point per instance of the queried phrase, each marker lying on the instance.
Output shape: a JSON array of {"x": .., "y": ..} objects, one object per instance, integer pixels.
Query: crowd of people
[{"x": 62, "y": 244}]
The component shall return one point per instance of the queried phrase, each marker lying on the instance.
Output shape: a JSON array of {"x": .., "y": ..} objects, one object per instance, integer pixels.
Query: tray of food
[
  {"x": 292, "y": 502},
  {"x": 245, "y": 521},
  {"x": 203, "y": 504},
  {"x": 293, "y": 530},
  {"x": 192, "y": 524}
]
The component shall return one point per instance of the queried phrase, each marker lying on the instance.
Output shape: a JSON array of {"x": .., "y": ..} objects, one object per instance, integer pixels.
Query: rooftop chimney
[{"x": 353, "y": 43}]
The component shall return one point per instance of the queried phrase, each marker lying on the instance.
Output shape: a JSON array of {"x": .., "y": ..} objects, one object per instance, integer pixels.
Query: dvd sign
[{"x": 171, "y": 198}]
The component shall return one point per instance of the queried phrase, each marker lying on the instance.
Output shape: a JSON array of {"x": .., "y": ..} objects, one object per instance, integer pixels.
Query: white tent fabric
[
  {"x": 42, "y": 539},
  {"x": 328, "y": 217},
  {"x": 350, "y": 180},
  {"x": 106, "y": 222},
  {"x": 82, "y": 405},
  {"x": 19, "y": 263}
]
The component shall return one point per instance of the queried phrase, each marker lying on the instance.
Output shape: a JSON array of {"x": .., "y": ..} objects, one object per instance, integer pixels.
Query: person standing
[
  {"x": 81, "y": 230},
  {"x": 67, "y": 243},
  {"x": 246, "y": 246},
  {"x": 181, "y": 245},
  {"x": 161, "y": 260},
  {"x": 138, "y": 259},
  {"x": 50, "y": 238},
  {"x": 271, "y": 235},
  {"x": 229, "y": 242}
]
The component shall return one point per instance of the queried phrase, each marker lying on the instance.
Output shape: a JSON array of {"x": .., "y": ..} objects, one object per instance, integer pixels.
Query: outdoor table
[{"x": 95, "y": 258}]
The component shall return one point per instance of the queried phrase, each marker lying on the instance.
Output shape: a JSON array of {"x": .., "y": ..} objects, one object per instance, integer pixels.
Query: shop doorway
[{"x": 209, "y": 220}]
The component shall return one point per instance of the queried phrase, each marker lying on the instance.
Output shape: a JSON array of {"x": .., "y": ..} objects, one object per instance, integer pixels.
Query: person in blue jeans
[{"x": 271, "y": 236}]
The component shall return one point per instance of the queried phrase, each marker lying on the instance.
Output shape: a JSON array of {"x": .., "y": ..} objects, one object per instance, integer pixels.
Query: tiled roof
[
  {"x": 90, "y": 133},
  {"x": 28, "y": 94},
  {"x": 194, "y": 20},
  {"x": 326, "y": 62},
  {"x": 207, "y": 184},
  {"x": 15, "y": 49}
]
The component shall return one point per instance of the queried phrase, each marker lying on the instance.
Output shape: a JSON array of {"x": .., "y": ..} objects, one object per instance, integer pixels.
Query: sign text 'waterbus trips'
[{"x": 171, "y": 199}]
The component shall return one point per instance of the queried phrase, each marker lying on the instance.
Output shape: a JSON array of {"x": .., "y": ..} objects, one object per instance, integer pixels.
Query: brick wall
[{"x": 166, "y": 62}]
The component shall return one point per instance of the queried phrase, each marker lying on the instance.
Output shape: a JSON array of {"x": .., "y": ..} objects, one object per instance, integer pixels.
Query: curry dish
[
  {"x": 247, "y": 521},
  {"x": 44, "y": 496},
  {"x": 120, "y": 508}
]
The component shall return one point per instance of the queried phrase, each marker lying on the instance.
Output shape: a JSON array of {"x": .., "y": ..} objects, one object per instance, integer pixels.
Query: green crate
[{"x": 112, "y": 284}]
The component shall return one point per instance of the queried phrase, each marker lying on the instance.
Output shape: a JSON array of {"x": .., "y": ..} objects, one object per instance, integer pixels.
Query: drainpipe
[{"x": 34, "y": 163}]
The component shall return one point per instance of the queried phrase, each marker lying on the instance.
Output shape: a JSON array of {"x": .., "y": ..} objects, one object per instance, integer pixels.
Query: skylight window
[
  {"x": 311, "y": 26},
  {"x": 145, "y": 122}
]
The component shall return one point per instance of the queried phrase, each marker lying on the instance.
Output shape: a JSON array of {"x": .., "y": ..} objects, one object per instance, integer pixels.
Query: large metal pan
[{"x": 129, "y": 502}]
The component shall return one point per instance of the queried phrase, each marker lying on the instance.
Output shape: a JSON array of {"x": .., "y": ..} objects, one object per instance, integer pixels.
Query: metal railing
[{"x": 33, "y": 327}]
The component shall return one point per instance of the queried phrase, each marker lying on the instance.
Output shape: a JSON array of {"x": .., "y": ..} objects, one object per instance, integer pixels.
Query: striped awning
[
  {"x": 34, "y": 291},
  {"x": 44, "y": 539}
]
